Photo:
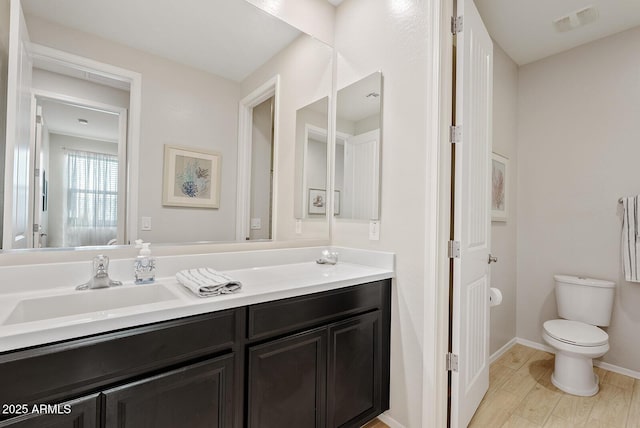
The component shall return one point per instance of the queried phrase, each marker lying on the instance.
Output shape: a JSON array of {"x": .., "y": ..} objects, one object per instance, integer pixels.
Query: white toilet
[{"x": 584, "y": 303}]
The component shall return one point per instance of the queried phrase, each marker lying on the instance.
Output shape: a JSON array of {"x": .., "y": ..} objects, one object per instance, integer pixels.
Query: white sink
[{"x": 87, "y": 301}]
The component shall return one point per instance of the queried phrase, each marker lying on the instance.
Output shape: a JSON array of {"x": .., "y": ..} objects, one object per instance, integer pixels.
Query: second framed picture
[
  {"x": 318, "y": 202},
  {"x": 499, "y": 182}
]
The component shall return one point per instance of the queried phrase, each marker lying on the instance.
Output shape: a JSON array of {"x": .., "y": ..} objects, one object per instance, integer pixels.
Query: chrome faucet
[
  {"x": 100, "y": 276},
  {"x": 328, "y": 258}
]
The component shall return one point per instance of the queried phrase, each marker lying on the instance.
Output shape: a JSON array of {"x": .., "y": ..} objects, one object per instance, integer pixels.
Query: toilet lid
[{"x": 575, "y": 333}]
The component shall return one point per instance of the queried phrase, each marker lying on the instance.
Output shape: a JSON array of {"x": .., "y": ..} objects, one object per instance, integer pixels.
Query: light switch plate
[
  {"x": 146, "y": 223},
  {"x": 256, "y": 223},
  {"x": 298, "y": 226}
]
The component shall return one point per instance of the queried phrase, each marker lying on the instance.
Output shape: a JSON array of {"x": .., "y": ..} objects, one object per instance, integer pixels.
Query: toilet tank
[{"x": 586, "y": 300}]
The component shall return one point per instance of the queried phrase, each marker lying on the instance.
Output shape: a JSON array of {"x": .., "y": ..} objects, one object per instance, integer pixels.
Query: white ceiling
[
  {"x": 353, "y": 103},
  {"x": 525, "y": 30},
  {"x": 230, "y": 38},
  {"x": 335, "y": 2},
  {"x": 62, "y": 118}
]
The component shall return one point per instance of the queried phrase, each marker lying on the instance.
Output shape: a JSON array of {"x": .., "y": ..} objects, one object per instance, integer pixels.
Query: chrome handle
[{"x": 492, "y": 259}]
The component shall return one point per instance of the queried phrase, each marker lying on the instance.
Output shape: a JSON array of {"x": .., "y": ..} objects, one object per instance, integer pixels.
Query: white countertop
[{"x": 259, "y": 284}]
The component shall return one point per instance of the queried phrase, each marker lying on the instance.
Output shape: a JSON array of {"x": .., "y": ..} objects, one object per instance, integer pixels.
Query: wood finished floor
[
  {"x": 521, "y": 395},
  {"x": 376, "y": 423}
]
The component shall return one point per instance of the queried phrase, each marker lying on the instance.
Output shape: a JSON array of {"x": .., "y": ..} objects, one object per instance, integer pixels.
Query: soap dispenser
[{"x": 145, "y": 264}]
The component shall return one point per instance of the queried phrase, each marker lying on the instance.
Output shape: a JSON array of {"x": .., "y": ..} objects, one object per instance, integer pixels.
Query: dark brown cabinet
[
  {"x": 354, "y": 381},
  {"x": 196, "y": 396},
  {"x": 287, "y": 379},
  {"x": 318, "y": 360},
  {"x": 80, "y": 413}
]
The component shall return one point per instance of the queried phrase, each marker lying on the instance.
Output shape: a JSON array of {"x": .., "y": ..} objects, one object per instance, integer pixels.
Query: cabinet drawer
[
  {"x": 66, "y": 369},
  {"x": 282, "y": 316}
]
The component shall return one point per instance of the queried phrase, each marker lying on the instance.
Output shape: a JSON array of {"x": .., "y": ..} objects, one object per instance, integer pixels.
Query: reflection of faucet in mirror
[{"x": 100, "y": 276}]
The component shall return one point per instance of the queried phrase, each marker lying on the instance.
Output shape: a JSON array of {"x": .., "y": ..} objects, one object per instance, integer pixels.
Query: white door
[
  {"x": 361, "y": 176},
  {"x": 18, "y": 201},
  {"x": 472, "y": 219}
]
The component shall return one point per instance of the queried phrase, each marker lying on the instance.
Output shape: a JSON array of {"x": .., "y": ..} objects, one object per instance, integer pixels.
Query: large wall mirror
[
  {"x": 357, "y": 150},
  {"x": 168, "y": 122}
]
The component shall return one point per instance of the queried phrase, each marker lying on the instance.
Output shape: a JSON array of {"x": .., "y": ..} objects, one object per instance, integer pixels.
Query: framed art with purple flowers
[{"x": 191, "y": 177}]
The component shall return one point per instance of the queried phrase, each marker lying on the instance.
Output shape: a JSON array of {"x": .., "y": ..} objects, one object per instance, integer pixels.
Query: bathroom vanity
[{"x": 317, "y": 359}]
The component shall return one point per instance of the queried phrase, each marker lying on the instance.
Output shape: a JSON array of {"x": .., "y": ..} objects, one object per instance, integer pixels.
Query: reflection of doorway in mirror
[
  {"x": 262, "y": 171},
  {"x": 78, "y": 153}
]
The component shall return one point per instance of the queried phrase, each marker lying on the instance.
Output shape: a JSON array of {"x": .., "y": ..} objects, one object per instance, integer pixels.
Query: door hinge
[
  {"x": 453, "y": 249},
  {"x": 39, "y": 119},
  {"x": 36, "y": 172},
  {"x": 456, "y": 25},
  {"x": 455, "y": 134},
  {"x": 36, "y": 228},
  {"x": 452, "y": 362}
]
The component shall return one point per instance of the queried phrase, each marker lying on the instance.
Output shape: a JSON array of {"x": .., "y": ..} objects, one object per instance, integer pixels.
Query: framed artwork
[
  {"x": 191, "y": 177},
  {"x": 317, "y": 201},
  {"x": 499, "y": 182}
]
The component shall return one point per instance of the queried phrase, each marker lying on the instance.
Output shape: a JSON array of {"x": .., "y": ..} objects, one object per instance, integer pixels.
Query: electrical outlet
[
  {"x": 374, "y": 230},
  {"x": 256, "y": 223},
  {"x": 146, "y": 223}
]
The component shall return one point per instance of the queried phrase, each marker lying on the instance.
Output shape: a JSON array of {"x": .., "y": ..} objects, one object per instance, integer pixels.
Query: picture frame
[
  {"x": 191, "y": 177},
  {"x": 499, "y": 187},
  {"x": 317, "y": 202}
]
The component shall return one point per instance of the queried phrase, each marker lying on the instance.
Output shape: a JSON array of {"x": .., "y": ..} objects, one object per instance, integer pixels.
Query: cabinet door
[
  {"x": 354, "y": 378},
  {"x": 286, "y": 382},
  {"x": 195, "y": 396},
  {"x": 80, "y": 413}
]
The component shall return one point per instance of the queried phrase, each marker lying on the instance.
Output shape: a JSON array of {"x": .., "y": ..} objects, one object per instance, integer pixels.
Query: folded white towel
[
  {"x": 631, "y": 238},
  {"x": 206, "y": 282}
]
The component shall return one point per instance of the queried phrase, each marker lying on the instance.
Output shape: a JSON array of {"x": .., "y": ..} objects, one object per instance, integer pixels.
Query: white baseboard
[
  {"x": 502, "y": 350},
  {"x": 617, "y": 369},
  {"x": 611, "y": 367},
  {"x": 390, "y": 421},
  {"x": 535, "y": 345}
]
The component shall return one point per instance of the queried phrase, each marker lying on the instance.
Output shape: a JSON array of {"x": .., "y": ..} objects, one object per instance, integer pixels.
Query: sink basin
[{"x": 82, "y": 302}]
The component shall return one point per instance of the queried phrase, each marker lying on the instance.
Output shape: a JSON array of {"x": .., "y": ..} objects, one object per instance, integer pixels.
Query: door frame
[
  {"x": 123, "y": 147},
  {"x": 43, "y": 54},
  {"x": 271, "y": 88},
  {"x": 438, "y": 208}
]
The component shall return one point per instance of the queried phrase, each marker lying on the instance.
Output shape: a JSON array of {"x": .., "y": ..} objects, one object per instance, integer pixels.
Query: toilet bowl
[
  {"x": 576, "y": 345},
  {"x": 584, "y": 304}
]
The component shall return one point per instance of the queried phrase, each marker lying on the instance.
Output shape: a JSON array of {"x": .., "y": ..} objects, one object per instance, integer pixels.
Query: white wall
[
  {"x": 180, "y": 105},
  {"x": 579, "y": 146},
  {"x": 392, "y": 36},
  {"x": 305, "y": 70},
  {"x": 503, "y": 234}
]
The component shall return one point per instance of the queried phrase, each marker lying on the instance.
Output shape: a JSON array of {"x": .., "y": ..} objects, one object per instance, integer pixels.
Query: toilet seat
[{"x": 575, "y": 333}]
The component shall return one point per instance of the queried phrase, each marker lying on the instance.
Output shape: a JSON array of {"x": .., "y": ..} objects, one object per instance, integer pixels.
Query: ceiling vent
[{"x": 576, "y": 19}]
